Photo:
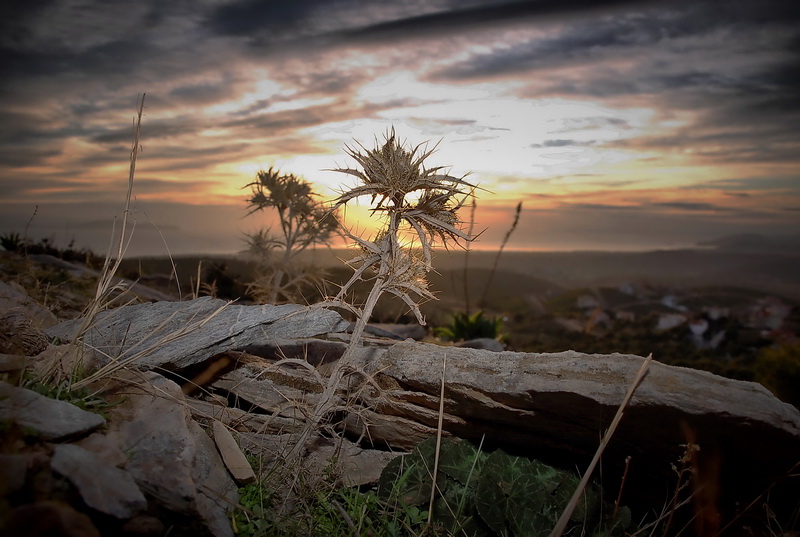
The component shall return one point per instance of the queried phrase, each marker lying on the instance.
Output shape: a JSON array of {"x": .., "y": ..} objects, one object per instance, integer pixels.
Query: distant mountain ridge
[{"x": 755, "y": 243}]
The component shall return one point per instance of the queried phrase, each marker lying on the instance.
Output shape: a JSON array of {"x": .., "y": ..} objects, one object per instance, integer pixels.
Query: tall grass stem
[{"x": 565, "y": 516}]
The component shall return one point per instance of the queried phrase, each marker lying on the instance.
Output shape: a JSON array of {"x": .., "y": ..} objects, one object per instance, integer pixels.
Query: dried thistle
[
  {"x": 304, "y": 223},
  {"x": 412, "y": 199},
  {"x": 390, "y": 174}
]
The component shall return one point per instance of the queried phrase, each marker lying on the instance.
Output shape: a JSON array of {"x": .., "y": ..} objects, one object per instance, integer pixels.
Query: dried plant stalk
[{"x": 411, "y": 198}]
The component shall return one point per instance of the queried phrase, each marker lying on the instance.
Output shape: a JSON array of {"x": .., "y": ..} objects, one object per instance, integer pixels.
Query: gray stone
[
  {"x": 283, "y": 392},
  {"x": 216, "y": 491},
  {"x": 151, "y": 426},
  {"x": 51, "y": 419},
  {"x": 204, "y": 326},
  {"x": 232, "y": 455},
  {"x": 171, "y": 457},
  {"x": 102, "y": 486},
  {"x": 353, "y": 465},
  {"x": 63, "y": 362}
]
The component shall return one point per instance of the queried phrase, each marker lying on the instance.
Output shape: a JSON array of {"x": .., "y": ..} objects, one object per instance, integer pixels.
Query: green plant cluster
[
  {"x": 464, "y": 327},
  {"x": 329, "y": 511},
  {"x": 81, "y": 398},
  {"x": 497, "y": 494}
]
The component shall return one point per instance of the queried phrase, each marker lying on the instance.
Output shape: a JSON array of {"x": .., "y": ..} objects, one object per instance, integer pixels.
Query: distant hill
[{"x": 755, "y": 243}]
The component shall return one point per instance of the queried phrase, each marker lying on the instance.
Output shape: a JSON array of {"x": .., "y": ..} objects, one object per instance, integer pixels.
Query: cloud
[
  {"x": 589, "y": 107},
  {"x": 690, "y": 206},
  {"x": 562, "y": 143},
  {"x": 201, "y": 93}
]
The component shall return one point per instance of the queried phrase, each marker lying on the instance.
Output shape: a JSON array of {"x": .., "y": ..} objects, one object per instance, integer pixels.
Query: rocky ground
[{"x": 184, "y": 388}]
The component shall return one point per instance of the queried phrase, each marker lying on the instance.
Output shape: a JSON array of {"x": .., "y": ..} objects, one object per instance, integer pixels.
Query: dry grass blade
[
  {"x": 438, "y": 441},
  {"x": 562, "y": 522},
  {"x": 500, "y": 251},
  {"x": 106, "y": 284}
]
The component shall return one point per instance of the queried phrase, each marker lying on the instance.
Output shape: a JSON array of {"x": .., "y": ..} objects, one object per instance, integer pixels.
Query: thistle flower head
[{"x": 390, "y": 172}]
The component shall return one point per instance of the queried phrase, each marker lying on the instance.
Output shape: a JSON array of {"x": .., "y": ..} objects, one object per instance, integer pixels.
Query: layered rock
[
  {"x": 177, "y": 335},
  {"x": 263, "y": 368}
]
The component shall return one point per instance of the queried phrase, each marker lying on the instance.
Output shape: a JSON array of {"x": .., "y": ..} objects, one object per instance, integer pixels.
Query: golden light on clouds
[{"x": 632, "y": 125}]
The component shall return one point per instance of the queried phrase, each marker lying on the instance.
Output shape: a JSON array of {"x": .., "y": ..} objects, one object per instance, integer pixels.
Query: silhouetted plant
[
  {"x": 12, "y": 242},
  {"x": 514, "y": 224},
  {"x": 465, "y": 327},
  {"x": 411, "y": 198},
  {"x": 304, "y": 222},
  {"x": 219, "y": 282}
]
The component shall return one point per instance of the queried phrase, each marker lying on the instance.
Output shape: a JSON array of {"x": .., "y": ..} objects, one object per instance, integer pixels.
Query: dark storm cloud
[
  {"x": 70, "y": 71},
  {"x": 606, "y": 36},
  {"x": 298, "y": 22},
  {"x": 745, "y": 142},
  {"x": 149, "y": 186},
  {"x": 246, "y": 17},
  {"x": 675, "y": 59},
  {"x": 162, "y": 151},
  {"x": 284, "y": 121},
  {"x": 481, "y": 15},
  {"x": 58, "y": 189}
]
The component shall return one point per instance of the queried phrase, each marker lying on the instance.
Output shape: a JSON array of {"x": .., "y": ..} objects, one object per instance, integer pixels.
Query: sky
[{"x": 619, "y": 125}]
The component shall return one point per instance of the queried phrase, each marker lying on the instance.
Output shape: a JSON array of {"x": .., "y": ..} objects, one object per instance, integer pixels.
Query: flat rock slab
[
  {"x": 232, "y": 455},
  {"x": 175, "y": 335},
  {"x": 52, "y": 420},
  {"x": 557, "y": 406}
]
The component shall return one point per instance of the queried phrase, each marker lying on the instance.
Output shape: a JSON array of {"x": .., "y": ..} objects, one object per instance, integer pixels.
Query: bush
[
  {"x": 778, "y": 368},
  {"x": 465, "y": 327}
]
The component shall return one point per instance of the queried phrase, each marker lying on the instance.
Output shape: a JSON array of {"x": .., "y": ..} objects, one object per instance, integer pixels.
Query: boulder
[
  {"x": 557, "y": 406},
  {"x": 176, "y": 335}
]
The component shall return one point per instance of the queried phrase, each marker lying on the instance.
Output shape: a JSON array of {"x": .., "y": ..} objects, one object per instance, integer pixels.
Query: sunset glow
[{"x": 636, "y": 125}]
